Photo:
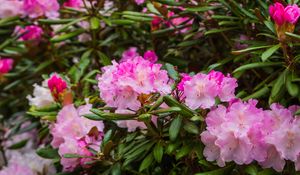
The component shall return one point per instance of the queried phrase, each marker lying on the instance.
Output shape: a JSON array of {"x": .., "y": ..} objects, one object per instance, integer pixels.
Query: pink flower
[
  {"x": 129, "y": 54},
  {"x": 73, "y": 3},
  {"x": 56, "y": 85},
  {"x": 32, "y": 32},
  {"x": 37, "y": 8},
  {"x": 151, "y": 56},
  {"x": 291, "y": 13},
  {"x": 122, "y": 83},
  {"x": 6, "y": 64},
  {"x": 185, "y": 78},
  {"x": 235, "y": 134},
  {"x": 281, "y": 15},
  {"x": 200, "y": 92},
  {"x": 226, "y": 85},
  {"x": 9, "y": 8},
  {"x": 15, "y": 168},
  {"x": 277, "y": 13},
  {"x": 139, "y": 2},
  {"x": 243, "y": 133},
  {"x": 73, "y": 134}
]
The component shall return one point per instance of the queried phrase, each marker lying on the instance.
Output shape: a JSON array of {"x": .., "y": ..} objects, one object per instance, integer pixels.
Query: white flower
[{"x": 41, "y": 96}]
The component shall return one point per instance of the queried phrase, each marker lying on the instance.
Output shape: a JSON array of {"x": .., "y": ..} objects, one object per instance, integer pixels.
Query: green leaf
[
  {"x": 67, "y": 36},
  {"x": 249, "y": 49},
  {"x": 158, "y": 152},
  {"x": 94, "y": 117},
  {"x": 18, "y": 145},
  {"x": 293, "y": 35},
  {"x": 48, "y": 153},
  {"x": 41, "y": 114},
  {"x": 251, "y": 170},
  {"x": 175, "y": 128},
  {"x": 73, "y": 156},
  {"x": 297, "y": 112},
  {"x": 165, "y": 110},
  {"x": 185, "y": 150},
  {"x": 138, "y": 18},
  {"x": 106, "y": 137},
  {"x": 191, "y": 128},
  {"x": 64, "y": 27},
  {"x": 146, "y": 162},
  {"x": 104, "y": 59},
  {"x": 257, "y": 65},
  {"x": 278, "y": 87},
  {"x": 291, "y": 87},
  {"x": 221, "y": 171},
  {"x": 112, "y": 116},
  {"x": 171, "y": 71},
  {"x": 170, "y": 2},
  {"x": 185, "y": 111},
  {"x": 116, "y": 169},
  {"x": 270, "y": 25},
  {"x": 213, "y": 31},
  {"x": 95, "y": 23},
  {"x": 77, "y": 71},
  {"x": 201, "y": 9},
  {"x": 269, "y": 52},
  {"x": 123, "y": 22},
  {"x": 172, "y": 147},
  {"x": 263, "y": 91},
  {"x": 55, "y": 21}
]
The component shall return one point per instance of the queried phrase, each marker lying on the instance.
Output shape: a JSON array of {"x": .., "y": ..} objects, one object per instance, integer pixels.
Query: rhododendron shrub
[{"x": 90, "y": 87}]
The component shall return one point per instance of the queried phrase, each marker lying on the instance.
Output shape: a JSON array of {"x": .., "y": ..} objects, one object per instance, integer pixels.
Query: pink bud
[
  {"x": 277, "y": 13},
  {"x": 57, "y": 85},
  {"x": 6, "y": 65},
  {"x": 32, "y": 32},
  {"x": 292, "y": 13},
  {"x": 73, "y": 3},
  {"x": 150, "y": 56}
]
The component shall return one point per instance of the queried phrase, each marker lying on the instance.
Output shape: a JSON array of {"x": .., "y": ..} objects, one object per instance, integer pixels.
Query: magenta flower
[
  {"x": 151, "y": 56},
  {"x": 185, "y": 78},
  {"x": 37, "y": 8},
  {"x": 6, "y": 64},
  {"x": 73, "y": 3},
  {"x": 32, "y": 32},
  {"x": 277, "y": 13},
  {"x": 56, "y": 85},
  {"x": 291, "y": 14},
  {"x": 281, "y": 15}
]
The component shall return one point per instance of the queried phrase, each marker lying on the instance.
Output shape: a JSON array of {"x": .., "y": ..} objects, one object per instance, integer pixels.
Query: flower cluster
[
  {"x": 281, "y": 15},
  {"x": 6, "y": 65},
  {"x": 74, "y": 134},
  {"x": 244, "y": 133},
  {"x": 201, "y": 90},
  {"x": 121, "y": 84}
]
